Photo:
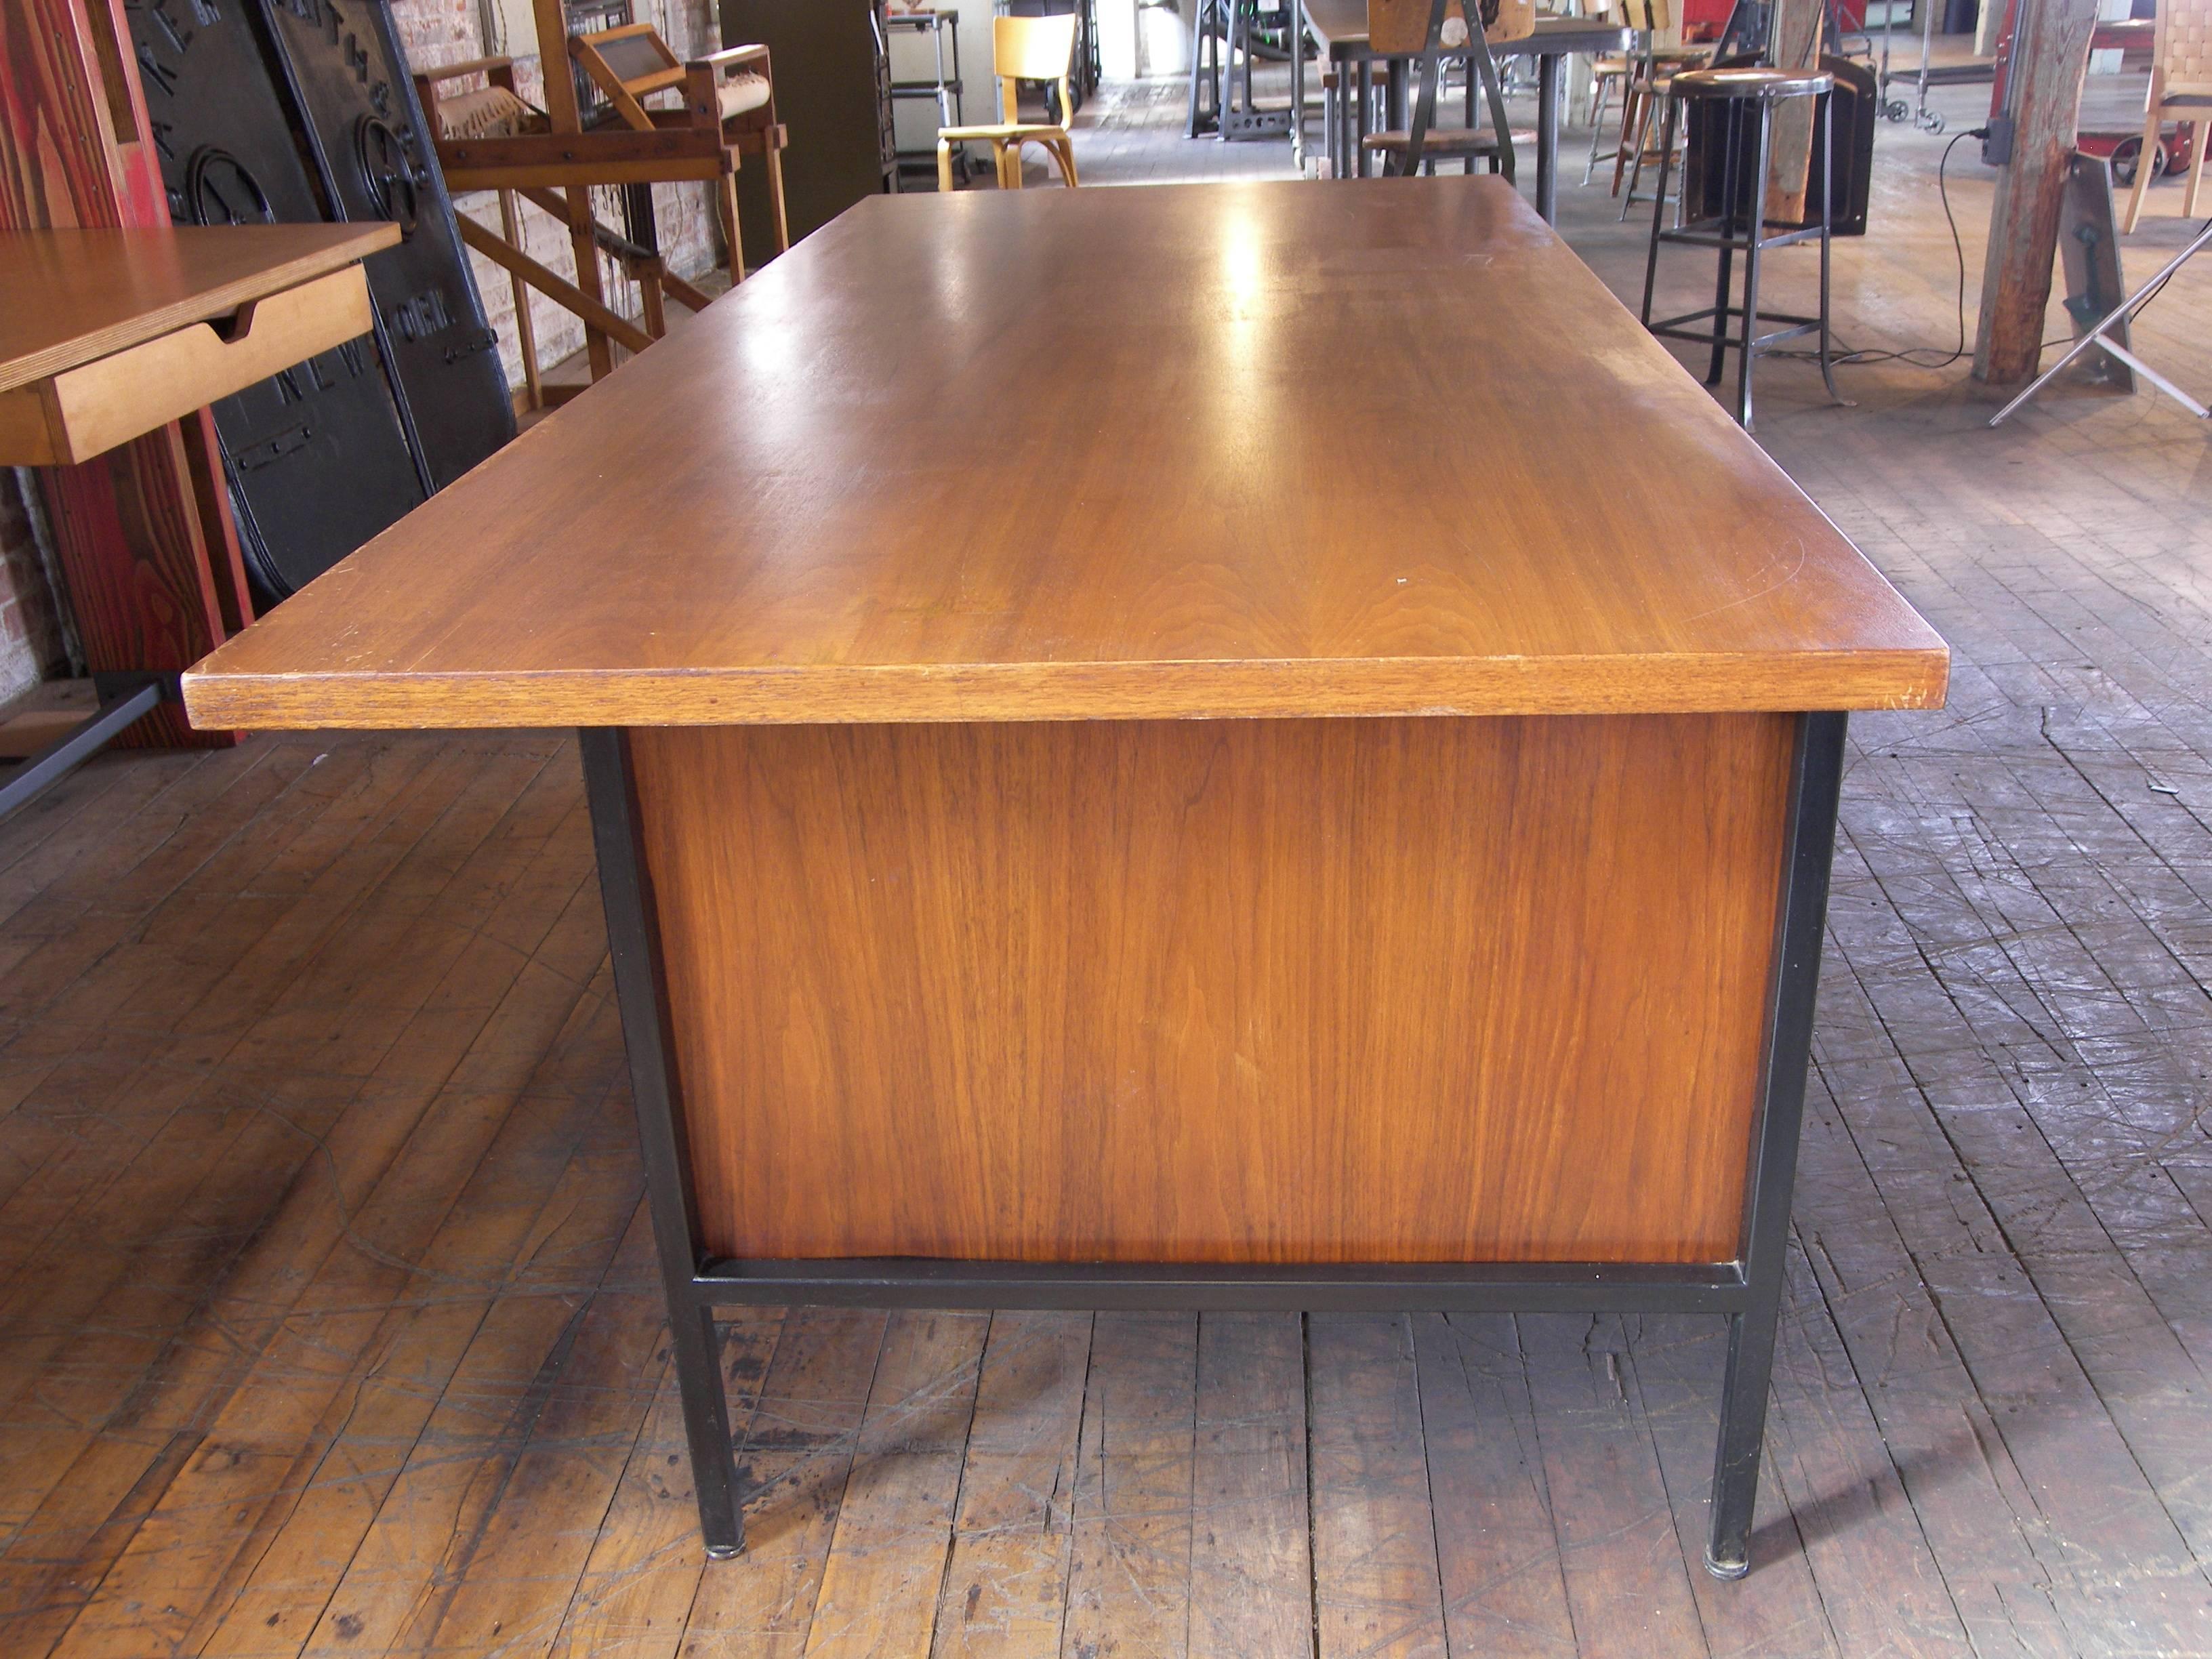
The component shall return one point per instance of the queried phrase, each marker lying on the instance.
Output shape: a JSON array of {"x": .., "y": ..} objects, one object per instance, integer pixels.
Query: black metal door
[
  {"x": 316, "y": 457},
  {"x": 362, "y": 124}
]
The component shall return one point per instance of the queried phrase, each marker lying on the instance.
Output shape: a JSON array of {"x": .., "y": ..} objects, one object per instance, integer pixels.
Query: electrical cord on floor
[{"x": 1919, "y": 356}]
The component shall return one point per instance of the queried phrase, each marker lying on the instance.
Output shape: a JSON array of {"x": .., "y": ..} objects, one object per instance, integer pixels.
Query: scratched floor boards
[{"x": 327, "y": 1323}]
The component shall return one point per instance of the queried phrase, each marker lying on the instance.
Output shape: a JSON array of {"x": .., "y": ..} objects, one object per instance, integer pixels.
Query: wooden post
[
  {"x": 2050, "y": 59},
  {"x": 1795, "y": 45},
  {"x": 560, "y": 108},
  {"x": 143, "y": 533}
]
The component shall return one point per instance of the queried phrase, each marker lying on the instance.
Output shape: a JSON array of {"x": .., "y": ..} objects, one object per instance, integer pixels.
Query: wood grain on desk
[
  {"x": 72, "y": 296},
  {"x": 1204, "y": 451},
  {"x": 1249, "y": 990}
]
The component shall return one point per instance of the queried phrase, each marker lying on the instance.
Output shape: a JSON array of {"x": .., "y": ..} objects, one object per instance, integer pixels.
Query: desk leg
[
  {"x": 1816, "y": 774},
  {"x": 1548, "y": 84},
  {"x": 634, "y": 944}
]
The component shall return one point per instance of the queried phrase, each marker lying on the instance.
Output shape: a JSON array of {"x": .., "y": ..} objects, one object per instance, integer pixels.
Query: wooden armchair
[
  {"x": 732, "y": 92},
  {"x": 1022, "y": 49},
  {"x": 2180, "y": 88}
]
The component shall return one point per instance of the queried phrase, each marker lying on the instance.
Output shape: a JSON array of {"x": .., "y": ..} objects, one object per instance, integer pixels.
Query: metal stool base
[{"x": 1740, "y": 227}]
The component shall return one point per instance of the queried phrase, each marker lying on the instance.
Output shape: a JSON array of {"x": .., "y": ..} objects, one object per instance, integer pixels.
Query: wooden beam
[
  {"x": 594, "y": 312},
  {"x": 2049, "y": 58}
]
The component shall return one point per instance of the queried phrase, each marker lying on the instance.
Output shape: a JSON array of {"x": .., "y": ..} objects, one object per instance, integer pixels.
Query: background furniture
[
  {"x": 597, "y": 130},
  {"x": 942, "y": 88},
  {"x": 2180, "y": 88},
  {"x": 1745, "y": 99},
  {"x": 1022, "y": 49},
  {"x": 832, "y": 73},
  {"x": 1340, "y": 28},
  {"x": 1428, "y": 29},
  {"x": 144, "y": 534},
  {"x": 1021, "y": 924},
  {"x": 1228, "y": 37},
  {"x": 110, "y": 335},
  {"x": 268, "y": 113},
  {"x": 732, "y": 91}
]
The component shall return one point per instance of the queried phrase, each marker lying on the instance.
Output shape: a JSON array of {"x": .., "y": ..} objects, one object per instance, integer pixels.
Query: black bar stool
[{"x": 1748, "y": 93}]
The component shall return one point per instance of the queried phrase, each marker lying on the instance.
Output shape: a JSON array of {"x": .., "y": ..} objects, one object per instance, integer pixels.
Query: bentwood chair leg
[
  {"x": 2197, "y": 136},
  {"x": 1756, "y": 215},
  {"x": 943, "y": 167}
]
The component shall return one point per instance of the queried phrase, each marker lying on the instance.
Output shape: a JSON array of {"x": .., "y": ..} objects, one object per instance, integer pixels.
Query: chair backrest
[
  {"x": 2183, "y": 50},
  {"x": 629, "y": 64},
  {"x": 1644, "y": 16},
  {"x": 1402, "y": 26},
  {"x": 1032, "y": 48}
]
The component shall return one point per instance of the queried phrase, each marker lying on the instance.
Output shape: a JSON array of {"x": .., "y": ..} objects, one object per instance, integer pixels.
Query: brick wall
[
  {"x": 30, "y": 633},
  {"x": 434, "y": 31}
]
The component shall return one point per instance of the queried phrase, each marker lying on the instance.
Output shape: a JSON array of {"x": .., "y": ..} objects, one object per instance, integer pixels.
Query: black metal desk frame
[
  {"x": 124, "y": 699},
  {"x": 1747, "y": 1289}
]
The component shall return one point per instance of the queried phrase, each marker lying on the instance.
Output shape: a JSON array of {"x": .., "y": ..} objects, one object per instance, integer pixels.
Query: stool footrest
[
  {"x": 1677, "y": 328},
  {"x": 1695, "y": 234}
]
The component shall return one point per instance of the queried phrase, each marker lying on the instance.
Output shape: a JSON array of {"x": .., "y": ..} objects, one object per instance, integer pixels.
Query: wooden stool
[
  {"x": 1646, "y": 91},
  {"x": 1742, "y": 221},
  {"x": 1448, "y": 143}
]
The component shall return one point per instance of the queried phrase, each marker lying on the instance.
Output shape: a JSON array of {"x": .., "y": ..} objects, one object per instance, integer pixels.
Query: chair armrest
[
  {"x": 728, "y": 58},
  {"x": 469, "y": 66}
]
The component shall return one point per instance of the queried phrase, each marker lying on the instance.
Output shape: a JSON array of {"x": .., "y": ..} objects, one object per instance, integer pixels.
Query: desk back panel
[{"x": 1426, "y": 989}]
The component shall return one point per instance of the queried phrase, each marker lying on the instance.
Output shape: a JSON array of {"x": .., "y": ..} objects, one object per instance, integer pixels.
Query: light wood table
[
  {"x": 1060, "y": 850},
  {"x": 106, "y": 335}
]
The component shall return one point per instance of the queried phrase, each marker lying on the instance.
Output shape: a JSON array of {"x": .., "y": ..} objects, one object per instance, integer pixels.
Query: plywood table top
[
  {"x": 75, "y": 295},
  {"x": 1206, "y": 451}
]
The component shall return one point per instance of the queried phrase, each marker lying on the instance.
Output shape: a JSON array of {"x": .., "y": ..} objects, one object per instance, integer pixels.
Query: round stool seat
[{"x": 1751, "y": 82}]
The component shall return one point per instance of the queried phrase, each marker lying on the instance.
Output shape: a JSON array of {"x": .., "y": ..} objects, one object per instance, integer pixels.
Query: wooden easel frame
[{"x": 554, "y": 167}]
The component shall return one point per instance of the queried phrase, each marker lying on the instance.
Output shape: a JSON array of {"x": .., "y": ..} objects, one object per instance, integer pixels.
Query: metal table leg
[
  {"x": 1809, "y": 846},
  {"x": 124, "y": 700},
  {"x": 1549, "y": 85}
]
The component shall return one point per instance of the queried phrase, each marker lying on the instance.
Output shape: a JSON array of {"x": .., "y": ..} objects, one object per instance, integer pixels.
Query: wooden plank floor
[{"x": 330, "y": 1325}]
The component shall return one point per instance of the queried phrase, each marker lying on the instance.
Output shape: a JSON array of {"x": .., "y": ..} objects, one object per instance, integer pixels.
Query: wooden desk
[
  {"x": 1004, "y": 912},
  {"x": 1340, "y": 26},
  {"x": 107, "y": 335}
]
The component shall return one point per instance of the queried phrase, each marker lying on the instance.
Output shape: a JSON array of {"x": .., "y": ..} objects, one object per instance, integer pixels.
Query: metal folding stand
[
  {"x": 1748, "y": 1290},
  {"x": 2120, "y": 315},
  {"x": 124, "y": 700},
  {"x": 1225, "y": 44}
]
